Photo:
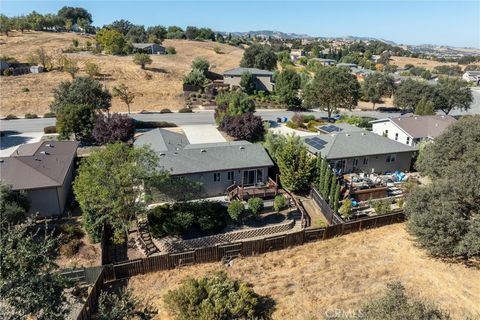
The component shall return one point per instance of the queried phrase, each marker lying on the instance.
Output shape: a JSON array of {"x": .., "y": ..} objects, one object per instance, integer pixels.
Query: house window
[
  {"x": 230, "y": 176},
  {"x": 391, "y": 157},
  {"x": 396, "y": 136},
  {"x": 216, "y": 176},
  {"x": 385, "y": 134},
  {"x": 408, "y": 140},
  {"x": 259, "y": 175},
  {"x": 365, "y": 161},
  {"x": 355, "y": 162}
]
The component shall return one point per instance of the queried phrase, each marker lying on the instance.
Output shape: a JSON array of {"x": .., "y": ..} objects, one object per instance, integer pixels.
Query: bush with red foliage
[
  {"x": 243, "y": 127},
  {"x": 113, "y": 127}
]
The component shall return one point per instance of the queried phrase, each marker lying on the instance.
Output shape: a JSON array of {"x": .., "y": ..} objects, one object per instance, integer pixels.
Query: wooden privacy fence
[
  {"x": 247, "y": 248},
  {"x": 225, "y": 252},
  {"x": 327, "y": 212}
]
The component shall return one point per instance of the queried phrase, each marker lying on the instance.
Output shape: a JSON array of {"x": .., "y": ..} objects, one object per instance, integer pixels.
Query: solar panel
[
  {"x": 315, "y": 142},
  {"x": 330, "y": 128}
]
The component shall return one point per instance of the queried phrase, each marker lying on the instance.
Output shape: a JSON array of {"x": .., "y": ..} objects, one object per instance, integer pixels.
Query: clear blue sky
[{"x": 455, "y": 23}]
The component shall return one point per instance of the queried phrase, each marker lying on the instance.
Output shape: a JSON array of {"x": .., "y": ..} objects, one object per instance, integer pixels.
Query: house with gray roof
[
  {"x": 44, "y": 170},
  {"x": 263, "y": 78},
  {"x": 216, "y": 166},
  {"x": 361, "y": 151},
  {"x": 411, "y": 130},
  {"x": 150, "y": 48}
]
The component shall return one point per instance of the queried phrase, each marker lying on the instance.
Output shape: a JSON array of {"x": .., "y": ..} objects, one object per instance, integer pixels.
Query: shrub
[
  {"x": 50, "y": 130},
  {"x": 308, "y": 118},
  {"x": 31, "y": 116},
  {"x": 291, "y": 125},
  {"x": 8, "y": 72},
  {"x": 279, "y": 203},
  {"x": 182, "y": 217},
  {"x": 170, "y": 50},
  {"x": 49, "y": 115},
  {"x": 213, "y": 297},
  {"x": 255, "y": 205},
  {"x": 236, "y": 209},
  {"x": 142, "y": 59},
  {"x": 71, "y": 232},
  {"x": 153, "y": 124},
  {"x": 25, "y": 89},
  {"x": 166, "y": 110},
  {"x": 200, "y": 64},
  {"x": 346, "y": 209},
  {"x": 10, "y": 117},
  {"x": 123, "y": 305},
  {"x": 243, "y": 127},
  {"x": 71, "y": 248},
  {"x": 381, "y": 206},
  {"x": 113, "y": 127},
  {"x": 395, "y": 304},
  {"x": 185, "y": 110},
  {"x": 218, "y": 50},
  {"x": 195, "y": 78}
]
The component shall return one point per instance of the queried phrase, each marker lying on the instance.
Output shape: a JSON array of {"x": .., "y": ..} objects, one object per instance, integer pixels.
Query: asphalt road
[
  {"x": 206, "y": 117},
  {"x": 201, "y": 117}
]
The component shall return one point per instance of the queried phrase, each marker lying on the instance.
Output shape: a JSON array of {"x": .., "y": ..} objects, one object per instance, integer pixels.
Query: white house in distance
[
  {"x": 472, "y": 76},
  {"x": 413, "y": 129}
]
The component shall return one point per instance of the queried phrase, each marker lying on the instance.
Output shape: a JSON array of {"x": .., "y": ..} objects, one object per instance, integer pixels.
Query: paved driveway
[
  {"x": 203, "y": 134},
  {"x": 9, "y": 143}
]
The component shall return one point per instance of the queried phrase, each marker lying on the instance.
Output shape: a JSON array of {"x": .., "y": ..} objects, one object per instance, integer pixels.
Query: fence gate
[{"x": 229, "y": 251}]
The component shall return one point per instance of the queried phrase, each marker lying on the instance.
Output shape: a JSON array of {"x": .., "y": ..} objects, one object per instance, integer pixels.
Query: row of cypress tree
[{"x": 328, "y": 184}]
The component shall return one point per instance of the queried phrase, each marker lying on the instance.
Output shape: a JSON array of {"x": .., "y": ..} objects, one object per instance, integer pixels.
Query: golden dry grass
[
  {"x": 341, "y": 273},
  {"x": 424, "y": 63},
  {"x": 158, "y": 87}
]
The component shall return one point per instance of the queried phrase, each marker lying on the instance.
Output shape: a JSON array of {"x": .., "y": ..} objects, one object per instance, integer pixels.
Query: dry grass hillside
[
  {"x": 158, "y": 87},
  {"x": 339, "y": 273},
  {"x": 424, "y": 63}
]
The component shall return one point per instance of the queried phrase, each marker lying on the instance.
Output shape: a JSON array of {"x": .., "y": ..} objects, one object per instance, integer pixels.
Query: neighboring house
[
  {"x": 295, "y": 54},
  {"x": 413, "y": 129},
  {"x": 150, "y": 48},
  {"x": 44, "y": 170},
  {"x": 361, "y": 73},
  {"x": 215, "y": 165},
  {"x": 325, "y": 62},
  {"x": 472, "y": 76},
  {"x": 361, "y": 152},
  {"x": 263, "y": 78}
]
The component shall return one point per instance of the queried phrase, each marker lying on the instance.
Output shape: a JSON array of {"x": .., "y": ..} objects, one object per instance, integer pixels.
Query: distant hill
[
  {"x": 269, "y": 33},
  {"x": 284, "y": 35}
]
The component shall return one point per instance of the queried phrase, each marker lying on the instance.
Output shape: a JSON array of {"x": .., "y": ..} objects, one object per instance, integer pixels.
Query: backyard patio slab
[{"x": 198, "y": 134}]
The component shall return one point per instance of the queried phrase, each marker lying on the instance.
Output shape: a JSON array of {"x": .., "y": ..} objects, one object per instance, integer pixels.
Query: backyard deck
[{"x": 268, "y": 190}]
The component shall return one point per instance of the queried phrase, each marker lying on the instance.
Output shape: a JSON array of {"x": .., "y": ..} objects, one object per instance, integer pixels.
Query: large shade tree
[
  {"x": 376, "y": 86},
  {"x": 451, "y": 93},
  {"x": 445, "y": 215},
  {"x": 259, "y": 56},
  {"x": 332, "y": 89},
  {"x": 287, "y": 84},
  {"x": 410, "y": 92},
  {"x": 30, "y": 286},
  {"x": 109, "y": 185}
]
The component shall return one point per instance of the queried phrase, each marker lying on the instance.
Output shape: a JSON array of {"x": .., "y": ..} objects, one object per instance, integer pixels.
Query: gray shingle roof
[
  {"x": 356, "y": 144},
  {"x": 207, "y": 157},
  {"x": 39, "y": 165},
  {"x": 422, "y": 126},
  {"x": 162, "y": 140},
  {"x": 254, "y": 71}
]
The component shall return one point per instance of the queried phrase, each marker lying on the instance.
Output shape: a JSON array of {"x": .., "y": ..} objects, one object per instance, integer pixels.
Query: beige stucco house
[{"x": 263, "y": 78}]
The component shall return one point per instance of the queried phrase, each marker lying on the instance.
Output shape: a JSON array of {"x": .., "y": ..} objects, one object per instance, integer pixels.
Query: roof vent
[
  {"x": 44, "y": 152},
  {"x": 364, "y": 134},
  {"x": 348, "y": 135},
  {"x": 36, "y": 159},
  {"x": 2, "y": 161},
  {"x": 203, "y": 150},
  {"x": 49, "y": 145},
  {"x": 162, "y": 154},
  {"x": 242, "y": 147},
  {"x": 415, "y": 118}
]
